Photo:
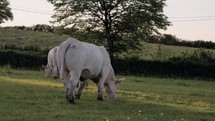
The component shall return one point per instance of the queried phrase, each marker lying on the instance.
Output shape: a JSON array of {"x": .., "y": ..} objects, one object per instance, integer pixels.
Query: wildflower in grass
[
  {"x": 161, "y": 114},
  {"x": 139, "y": 112},
  {"x": 128, "y": 118},
  {"x": 107, "y": 119}
]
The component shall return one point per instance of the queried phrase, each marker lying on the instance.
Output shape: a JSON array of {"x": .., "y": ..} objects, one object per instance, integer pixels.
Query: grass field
[
  {"x": 48, "y": 40},
  {"x": 28, "y": 96},
  {"x": 30, "y": 38}
]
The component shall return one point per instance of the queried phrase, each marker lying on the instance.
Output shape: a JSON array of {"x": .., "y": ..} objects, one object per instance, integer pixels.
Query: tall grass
[{"x": 29, "y": 96}]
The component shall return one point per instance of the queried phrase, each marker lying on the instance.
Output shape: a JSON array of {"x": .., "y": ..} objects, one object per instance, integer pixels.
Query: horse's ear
[{"x": 118, "y": 81}]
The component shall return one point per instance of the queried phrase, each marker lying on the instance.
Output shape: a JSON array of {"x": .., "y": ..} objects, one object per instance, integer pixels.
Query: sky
[{"x": 191, "y": 19}]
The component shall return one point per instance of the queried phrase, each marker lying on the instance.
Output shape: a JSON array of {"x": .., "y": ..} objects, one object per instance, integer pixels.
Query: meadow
[
  {"x": 45, "y": 40},
  {"x": 30, "y": 38},
  {"x": 26, "y": 95},
  {"x": 29, "y": 96}
]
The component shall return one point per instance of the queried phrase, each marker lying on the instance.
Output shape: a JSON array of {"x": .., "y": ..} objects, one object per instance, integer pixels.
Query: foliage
[
  {"x": 200, "y": 56},
  {"x": 42, "y": 28},
  {"x": 123, "y": 24},
  {"x": 197, "y": 44},
  {"x": 37, "y": 28},
  {"x": 22, "y": 59},
  {"x": 5, "y": 11},
  {"x": 23, "y": 48},
  {"x": 168, "y": 39},
  {"x": 28, "y": 96},
  {"x": 163, "y": 68}
]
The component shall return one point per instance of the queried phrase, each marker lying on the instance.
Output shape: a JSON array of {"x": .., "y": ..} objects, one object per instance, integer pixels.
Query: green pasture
[
  {"x": 48, "y": 40},
  {"x": 162, "y": 52},
  {"x": 30, "y": 38},
  {"x": 27, "y": 95}
]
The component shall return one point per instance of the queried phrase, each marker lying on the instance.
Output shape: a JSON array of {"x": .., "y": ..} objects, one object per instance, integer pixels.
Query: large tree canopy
[
  {"x": 5, "y": 11},
  {"x": 123, "y": 24}
]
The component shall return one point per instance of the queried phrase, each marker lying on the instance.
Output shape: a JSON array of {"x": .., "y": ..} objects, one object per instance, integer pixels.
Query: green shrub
[
  {"x": 22, "y": 59},
  {"x": 163, "y": 68},
  {"x": 200, "y": 56},
  {"x": 31, "y": 48}
]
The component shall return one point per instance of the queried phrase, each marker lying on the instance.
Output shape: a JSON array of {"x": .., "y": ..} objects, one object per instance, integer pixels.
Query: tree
[
  {"x": 121, "y": 24},
  {"x": 42, "y": 28},
  {"x": 169, "y": 39},
  {"x": 5, "y": 11}
]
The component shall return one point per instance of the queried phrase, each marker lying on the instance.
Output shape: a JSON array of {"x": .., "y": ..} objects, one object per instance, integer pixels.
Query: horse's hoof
[
  {"x": 100, "y": 98},
  {"x": 77, "y": 96},
  {"x": 70, "y": 99}
]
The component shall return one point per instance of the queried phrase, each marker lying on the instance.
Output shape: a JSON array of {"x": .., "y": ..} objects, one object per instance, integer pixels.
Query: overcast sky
[{"x": 191, "y": 19}]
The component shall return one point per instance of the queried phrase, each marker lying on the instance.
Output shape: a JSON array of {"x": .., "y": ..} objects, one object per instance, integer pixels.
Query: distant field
[
  {"x": 23, "y": 38},
  {"x": 49, "y": 40},
  {"x": 29, "y": 96},
  {"x": 163, "y": 52}
]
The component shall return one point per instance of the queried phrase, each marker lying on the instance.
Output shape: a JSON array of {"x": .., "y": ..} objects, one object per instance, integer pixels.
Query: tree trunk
[
  {"x": 111, "y": 48},
  {"x": 107, "y": 25}
]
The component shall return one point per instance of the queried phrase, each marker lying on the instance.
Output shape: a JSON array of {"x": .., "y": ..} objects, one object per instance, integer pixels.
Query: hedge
[
  {"x": 34, "y": 60},
  {"x": 22, "y": 59},
  {"x": 163, "y": 68}
]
